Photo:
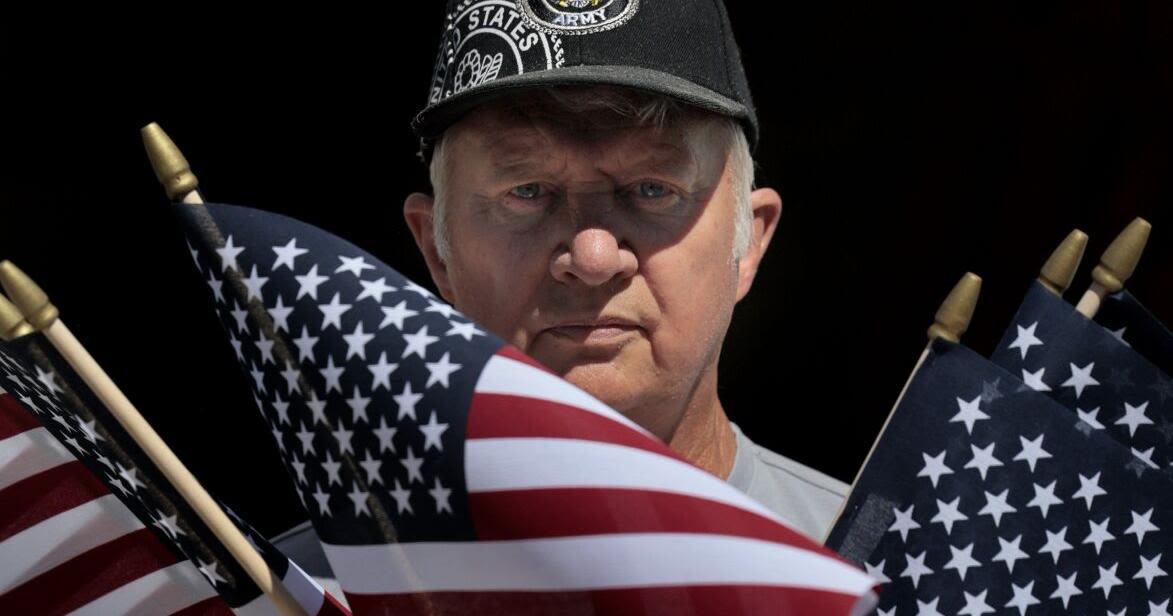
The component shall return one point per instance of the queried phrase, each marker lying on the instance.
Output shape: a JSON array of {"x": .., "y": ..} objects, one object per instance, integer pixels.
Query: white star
[
  {"x": 1056, "y": 544},
  {"x": 1023, "y": 598},
  {"x": 1098, "y": 534},
  {"x": 962, "y": 560},
  {"x": 438, "y": 372},
  {"x": 332, "y": 468},
  {"x": 258, "y": 378},
  {"x": 130, "y": 478},
  {"x": 417, "y": 343},
  {"x": 975, "y": 605},
  {"x": 1090, "y": 417},
  {"x": 1150, "y": 569},
  {"x": 240, "y": 315},
  {"x": 307, "y": 439},
  {"x": 308, "y": 284},
  {"x": 1080, "y": 378},
  {"x": 1119, "y": 335},
  {"x": 280, "y": 314},
  {"x": 1066, "y": 589},
  {"x": 210, "y": 571},
  {"x": 216, "y": 286},
  {"x": 1108, "y": 580},
  {"x": 1009, "y": 552},
  {"x": 969, "y": 413},
  {"x": 332, "y": 313},
  {"x": 396, "y": 315},
  {"x": 413, "y": 465},
  {"x": 228, "y": 255},
  {"x": 877, "y": 572},
  {"x": 1044, "y": 498},
  {"x": 1134, "y": 417},
  {"x": 934, "y": 467},
  {"x": 432, "y": 431},
  {"x": 359, "y": 498},
  {"x": 333, "y": 375},
  {"x": 253, "y": 283},
  {"x": 1141, "y": 524},
  {"x": 415, "y": 288},
  {"x": 356, "y": 342},
  {"x": 373, "y": 290},
  {"x": 358, "y": 406},
  {"x": 983, "y": 459},
  {"x": 903, "y": 523},
  {"x": 1163, "y": 606},
  {"x": 371, "y": 466},
  {"x": 402, "y": 498},
  {"x": 195, "y": 254},
  {"x": 464, "y": 330},
  {"x": 441, "y": 308},
  {"x": 927, "y": 608},
  {"x": 282, "y": 408},
  {"x": 277, "y": 436},
  {"x": 323, "y": 499},
  {"x": 291, "y": 375},
  {"x": 343, "y": 436},
  {"x": 305, "y": 345},
  {"x": 385, "y": 433},
  {"x": 1145, "y": 456},
  {"x": 441, "y": 494},
  {"x": 89, "y": 431},
  {"x": 317, "y": 409},
  {"x": 406, "y": 400},
  {"x": 286, "y": 255},
  {"x": 265, "y": 346},
  {"x": 1032, "y": 451},
  {"x": 299, "y": 469},
  {"x": 916, "y": 568},
  {"x": 947, "y": 514},
  {"x": 381, "y": 373},
  {"x": 1026, "y": 339},
  {"x": 1089, "y": 489},
  {"x": 169, "y": 524},
  {"x": 1034, "y": 380},
  {"x": 354, "y": 265},
  {"x": 887, "y": 612},
  {"x": 46, "y": 379}
]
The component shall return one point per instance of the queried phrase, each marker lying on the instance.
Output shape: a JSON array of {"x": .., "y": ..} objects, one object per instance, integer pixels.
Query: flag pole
[
  {"x": 33, "y": 304},
  {"x": 12, "y": 322},
  {"x": 949, "y": 323},
  {"x": 1116, "y": 266},
  {"x": 1059, "y": 270},
  {"x": 170, "y": 165}
]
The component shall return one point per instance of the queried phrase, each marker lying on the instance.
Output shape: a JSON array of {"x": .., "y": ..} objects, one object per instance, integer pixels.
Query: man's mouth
[{"x": 599, "y": 331}]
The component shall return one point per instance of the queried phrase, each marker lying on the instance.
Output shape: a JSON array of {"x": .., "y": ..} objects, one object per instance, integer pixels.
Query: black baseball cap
[{"x": 680, "y": 48}]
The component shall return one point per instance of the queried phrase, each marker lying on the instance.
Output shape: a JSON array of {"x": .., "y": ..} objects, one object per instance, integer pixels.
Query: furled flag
[
  {"x": 1123, "y": 315},
  {"x": 1087, "y": 369},
  {"x": 448, "y": 473},
  {"x": 89, "y": 525},
  {"x": 983, "y": 497}
]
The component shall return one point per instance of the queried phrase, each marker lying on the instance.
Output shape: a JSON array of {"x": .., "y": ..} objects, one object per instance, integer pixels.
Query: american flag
[
  {"x": 88, "y": 525},
  {"x": 446, "y": 472},
  {"x": 1093, "y": 372},
  {"x": 984, "y": 497},
  {"x": 1123, "y": 315}
]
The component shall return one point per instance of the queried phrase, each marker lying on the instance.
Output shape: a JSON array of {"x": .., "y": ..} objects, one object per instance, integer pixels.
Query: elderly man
[{"x": 593, "y": 204}]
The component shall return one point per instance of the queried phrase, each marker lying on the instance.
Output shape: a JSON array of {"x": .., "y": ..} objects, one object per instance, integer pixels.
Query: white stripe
[
  {"x": 161, "y": 592},
  {"x": 45, "y": 545},
  {"x": 503, "y": 375},
  {"x": 28, "y": 453},
  {"x": 261, "y": 606},
  {"x": 495, "y": 464},
  {"x": 594, "y": 562},
  {"x": 304, "y": 589}
]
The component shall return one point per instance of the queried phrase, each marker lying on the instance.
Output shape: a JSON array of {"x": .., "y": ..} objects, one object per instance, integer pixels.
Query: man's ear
[
  {"x": 417, "y": 211},
  {"x": 766, "y": 205}
]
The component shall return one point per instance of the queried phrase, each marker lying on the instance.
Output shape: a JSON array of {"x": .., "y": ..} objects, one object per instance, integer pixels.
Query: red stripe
[
  {"x": 506, "y": 416},
  {"x": 567, "y": 512},
  {"x": 212, "y": 606},
  {"x": 14, "y": 418},
  {"x": 46, "y": 494},
  {"x": 331, "y": 607},
  {"x": 717, "y": 600},
  {"x": 89, "y": 576}
]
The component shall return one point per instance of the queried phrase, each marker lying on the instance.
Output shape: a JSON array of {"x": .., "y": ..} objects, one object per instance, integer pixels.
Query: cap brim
[{"x": 434, "y": 119}]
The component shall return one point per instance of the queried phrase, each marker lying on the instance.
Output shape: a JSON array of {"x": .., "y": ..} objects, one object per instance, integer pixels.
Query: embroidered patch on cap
[
  {"x": 577, "y": 16},
  {"x": 485, "y": 40}
]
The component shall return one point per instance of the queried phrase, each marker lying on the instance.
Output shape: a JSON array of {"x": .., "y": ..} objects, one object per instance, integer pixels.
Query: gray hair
[{"x": 625, "y": 105}]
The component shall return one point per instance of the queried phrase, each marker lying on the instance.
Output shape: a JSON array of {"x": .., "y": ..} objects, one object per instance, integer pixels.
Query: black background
[{"x": 910, "y": 144}]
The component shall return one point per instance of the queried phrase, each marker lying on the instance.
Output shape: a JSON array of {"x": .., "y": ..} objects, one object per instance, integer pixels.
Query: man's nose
[{"x": 593, "y": 256}]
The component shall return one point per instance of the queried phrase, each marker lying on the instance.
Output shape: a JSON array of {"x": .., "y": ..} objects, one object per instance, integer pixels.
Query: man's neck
[{"x": 704, "y": 436}]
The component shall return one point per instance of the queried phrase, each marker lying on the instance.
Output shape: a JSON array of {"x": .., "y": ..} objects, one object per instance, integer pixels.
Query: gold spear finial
[
  {"x": 952, "y": 318},
  {"x": 1060, "y": 268},
  {"x": 12, "y": 323},
  {"x": 168, "y": 162},
  {"x": 29, "y": 299},
  {"x": 1120, "y": 259}
]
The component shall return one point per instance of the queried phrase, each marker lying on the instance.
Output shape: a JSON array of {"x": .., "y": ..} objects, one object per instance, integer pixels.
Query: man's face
[{"x": 605, "y": 254}]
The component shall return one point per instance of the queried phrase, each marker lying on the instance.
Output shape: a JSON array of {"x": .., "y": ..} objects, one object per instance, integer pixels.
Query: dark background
[{"x": 910, "y": 144}]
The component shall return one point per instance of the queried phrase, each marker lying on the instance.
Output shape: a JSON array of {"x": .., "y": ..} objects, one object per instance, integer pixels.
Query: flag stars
[
  {"x": 432, "y": 431},
  {"x": 1159, "y": 609},
  {"x": 413, "y": 465},
  {"x": 947, "y": 514},
  {"x": 440, "y": 494},
  {"x": 372, "y": 468},
  {"x": 417, "y": 343},
  {"x": 406, "y": 401},
  {"x": 962, "y": 560},
  {"x": 1009, "y": 552},
  {"x": 1090, "y": 419},
  {"x": 240, "y": 315},
  {"x": 381, "y": 372},
  {"x": 169, "y": 524},
  {"x": 402, "y": 498},
  {"x": 308, "y": 283},
  {"x": 903, "y": 522},
  {"x": 1141, "y": 524},
  {"x": 385, "y": 434},
  {"x": 418, "y": 290},
  {"x": 1044, "y": 498},
  {"x": 360, "y": 498},
  {"x": 287, "y": 254},
  {"x": 975, "y": 605},
  {"x": 130, "y": 478},
  {"x": 333, "y": 376},
  {"x": 1150, "y": 569},
  {"x": 354, "y": 265},
  {"x": 1080, "y": 378},
  {"x": 1034, "y": 380},
  {"x": 396, "y": 314},
  {"x": 983, "y": 459},
  {"x": 323, "y": 501},
  {"x": 1066, "y": 589},
  {"x": 1032, "y": 451},
  {"x": 464, "y": 330},
  {"x": 441, "y": 308},
  {"x": 1134, "y": 417},
  {"x": 253, "y": 283},
  {"x": 307, "y": 439},
  {"x": 211, "y": 571},
  {"x": 217, "y": 287},
  {"x": 332, "y": 313},
  {"x": 1056, "y": 544},
  {"x": 305, "y": 345},
  {"x": 374, "y": 290},
  {"x": 439, "y": 371},
  {"x": 291, "y": 375},
  {"x": 358, "y": 407},
  {"x": 317, "y": 409},
  {"x": 343, "y": 437},
  {"x": 258, "y": 378},
  {"x": 356, "y": 342},
  {"x": 282, "y": 408},
  {"x": 1098, "y": 534},
  {"x": 228, "y": 255},
  {"x": 299, "y": 469},
  {"x": 1026, "y": 339},
  {"x": 876, "y": 571},
  {"x": 1023, "y": 598},
  {"x": 265, "y": 346},
  {"x": 934, "y": 467},
  {"x": 280, "y": 314},
  {"x": 928, "y": 608},
  {"x": 916, "y": 568},
  {"x": 969, "y": 414},
  {"x": 332, "y": 468},
  {"x": 89, "y": 431},
  {"x": 1089, "y": 489},
  {"x": 1107, "y": 580}
]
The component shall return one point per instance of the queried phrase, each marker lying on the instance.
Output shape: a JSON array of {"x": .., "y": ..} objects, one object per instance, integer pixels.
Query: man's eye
[
  {"x": 527, "y": 191},
  {"x": 652, "y": 190}
]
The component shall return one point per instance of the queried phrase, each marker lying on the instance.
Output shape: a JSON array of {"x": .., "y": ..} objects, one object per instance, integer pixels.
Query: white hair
[{"x": 644, "y": 109}]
